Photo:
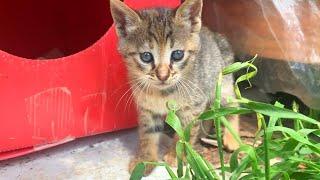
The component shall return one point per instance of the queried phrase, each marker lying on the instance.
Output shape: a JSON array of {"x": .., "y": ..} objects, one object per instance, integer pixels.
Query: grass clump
[{"x": 285, "y": 153}]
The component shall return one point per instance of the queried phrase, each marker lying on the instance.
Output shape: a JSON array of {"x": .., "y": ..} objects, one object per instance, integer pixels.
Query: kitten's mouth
[{"x": 164, "y": 85}]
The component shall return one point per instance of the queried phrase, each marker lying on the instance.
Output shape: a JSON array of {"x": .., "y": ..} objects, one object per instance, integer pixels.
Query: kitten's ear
[
  {"x": 125, "y": 18},
  {"x": 189, "y": 14}
]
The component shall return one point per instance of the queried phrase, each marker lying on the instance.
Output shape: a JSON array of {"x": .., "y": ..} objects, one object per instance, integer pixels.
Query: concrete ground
[{"x": 104, "y": 156}]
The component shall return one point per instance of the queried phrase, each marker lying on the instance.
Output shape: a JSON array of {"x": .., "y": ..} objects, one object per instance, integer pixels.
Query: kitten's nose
[{"x": 163, "y": 72}]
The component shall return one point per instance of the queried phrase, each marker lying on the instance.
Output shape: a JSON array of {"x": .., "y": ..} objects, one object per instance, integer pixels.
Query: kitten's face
[{"x": 159, "y": 45}]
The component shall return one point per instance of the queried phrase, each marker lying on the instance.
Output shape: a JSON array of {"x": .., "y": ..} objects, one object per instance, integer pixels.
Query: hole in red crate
[{"x": 51, "y": 28}]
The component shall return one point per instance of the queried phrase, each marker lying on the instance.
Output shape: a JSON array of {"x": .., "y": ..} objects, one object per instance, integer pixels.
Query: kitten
[{"x": 169, "y": 55}]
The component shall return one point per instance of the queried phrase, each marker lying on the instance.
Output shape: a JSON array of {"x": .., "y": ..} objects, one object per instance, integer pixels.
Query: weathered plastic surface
[
  {"x": 285, "y": 35},
  {"x": 48, "y": 102}
]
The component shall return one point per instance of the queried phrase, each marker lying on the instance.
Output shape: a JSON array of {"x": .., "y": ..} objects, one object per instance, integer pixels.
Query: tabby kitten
[{"x": 169, "y": 55}]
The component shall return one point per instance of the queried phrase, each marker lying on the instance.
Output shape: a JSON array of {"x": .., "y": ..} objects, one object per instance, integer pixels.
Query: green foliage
[{"x": 297, "y": 151}]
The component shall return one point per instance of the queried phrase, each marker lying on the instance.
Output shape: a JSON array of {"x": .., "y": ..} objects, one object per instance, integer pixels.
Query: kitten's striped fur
[{"x": 190, "y": 81}]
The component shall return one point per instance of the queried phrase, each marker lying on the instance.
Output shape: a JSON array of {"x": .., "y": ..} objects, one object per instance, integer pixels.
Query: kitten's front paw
[
  {"x": 171, "y": 159},
  {"x": 230, "y": 142},
  {"x": 135, "y": 161}
]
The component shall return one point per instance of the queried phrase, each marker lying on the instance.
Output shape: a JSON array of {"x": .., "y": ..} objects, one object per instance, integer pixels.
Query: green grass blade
[
  {"x": 295, "y": 135},
  {"x": 251, "y": 154},
  {"x": 198, "y": 172},
  {"x": 308, "y": 163},
  {"x": 240, "y": 168},
  {"x": 187, "y": 130},
  {"x": 180, "y": 152},
  {"x": 171, "y": 173},
  {"x": 224, "y": 111},
  {"x": 265, "y": 147},
  {"x": 173, "y": 121},
  {"x": 211, "y": 169},
  {"x": 138, "y": 172},
  {"x": 217, "y": 99},
  {"x": 273, "y": 120},
  {"x": 217, "y": 124},
  {"x": 306, "y": 132},
  {"x": 270, "y": 110},
  {"x": 296, "y": 122},
  {"x": 187, "y": 174},
  {"x": 317, "y": 133},
  {"x": 200, "y": 162},
  {"x": 237, "y": 66},
  {"x": 245, "y": 77},
  {"x": 227, "y": 124},
  {"x": 289, "y": 145}
]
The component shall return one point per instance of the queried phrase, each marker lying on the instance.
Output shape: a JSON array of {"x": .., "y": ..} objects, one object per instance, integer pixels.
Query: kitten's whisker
[
  {"x": 186, "y": 88},
  {"x": 185, "y": 92},
  {"x": 137, "y": 90},
  {"x": 142, "y": 89},
  {"x": 179, "y": 91},
  {"x": 190, "y": 83},
  {"x": 148, "y": 87},
  {"x": 132, "y": 94},
  {"x": 131, "y": 87},
  {"x": 176, "y": 87},
  {"x": 194, "y": 93},
  {"x": 130, "y": 82}
]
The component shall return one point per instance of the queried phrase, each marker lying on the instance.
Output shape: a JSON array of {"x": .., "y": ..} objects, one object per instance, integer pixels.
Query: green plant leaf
[
  {"x": 187, "y": 130},
  {"x": 138, "y": 172},
  {"x": 289, "y": 145},
  {"x": 270, "y": 110},
  {"x": 211, "y": 169},
  {"x": 273, "y": 119},
  {"x": 224, "y": 111},
  {"x": 306, "y": 132},
  {"x": 308, "y": 163},
  {"x": 194, "y": 166},
  {"x": 317, "y": 133},
  {"x": 249, "y": 150},
  {"x": 204, "y": 169},
  {"x": 265, "y": 147},
  {"x": 170, "y": 172},
  {"x": 237, "y": 66},
  {"x": 173, "y": 121},
  {"x": 245, "y": 162},
  {"x": 227, "y": 124},
  {"x": 187, "y": 174},
  {"x": 234, "y": 67},
  {"x": 217, "y": 125},
  {"x": 295, "y": 135},
  {"x": 180, "y": 152}
]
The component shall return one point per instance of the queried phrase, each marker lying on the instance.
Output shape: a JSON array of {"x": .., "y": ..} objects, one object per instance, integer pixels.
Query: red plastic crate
[{"x": 48, "y": 102}]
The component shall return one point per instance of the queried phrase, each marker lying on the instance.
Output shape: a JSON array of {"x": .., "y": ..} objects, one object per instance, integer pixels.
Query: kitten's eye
[
  {"x": 146, "y": 57},
  {"x": 177, "y": 55}
]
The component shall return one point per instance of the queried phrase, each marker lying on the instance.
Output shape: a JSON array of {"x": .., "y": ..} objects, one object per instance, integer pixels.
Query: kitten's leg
[
  {"x": 170, "y": 156},
  {"x": 228, "y": 91},
  {"x": 188, "y": 114},
  {"x": 185, "y": 117},
  {"x": 150, "y": 127}
]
